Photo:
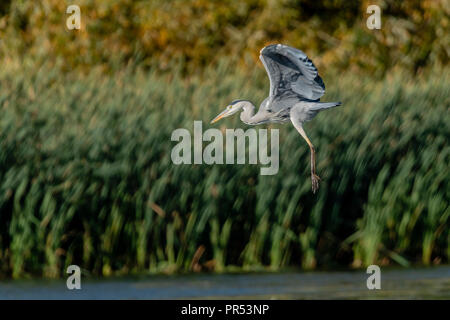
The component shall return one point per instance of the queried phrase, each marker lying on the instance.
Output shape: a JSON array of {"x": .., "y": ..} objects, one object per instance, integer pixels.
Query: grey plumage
[
  {"x": 290, "y": 70},
  {"x": 295, "y": 92}
]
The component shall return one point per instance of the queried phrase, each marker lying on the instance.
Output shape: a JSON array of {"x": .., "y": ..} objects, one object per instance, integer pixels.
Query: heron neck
[{"x": 248, "y": 114}]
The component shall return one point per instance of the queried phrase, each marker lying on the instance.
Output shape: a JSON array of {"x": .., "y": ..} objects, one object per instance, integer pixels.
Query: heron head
[{"x": 231, "y": 109}]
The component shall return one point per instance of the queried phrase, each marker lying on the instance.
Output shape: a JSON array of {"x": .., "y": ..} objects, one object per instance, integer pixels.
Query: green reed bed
[{"x": 86, "y": 176}]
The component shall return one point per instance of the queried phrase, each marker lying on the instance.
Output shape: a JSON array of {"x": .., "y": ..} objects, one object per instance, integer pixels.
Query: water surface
[{"x": 424, "y": 283}]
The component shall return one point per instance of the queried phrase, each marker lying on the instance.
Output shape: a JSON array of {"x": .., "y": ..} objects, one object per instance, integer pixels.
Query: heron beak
[{"x": 221, "y": 115}]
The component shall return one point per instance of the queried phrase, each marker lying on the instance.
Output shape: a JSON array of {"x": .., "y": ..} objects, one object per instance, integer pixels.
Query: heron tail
[{"x": 324, "y": 105}]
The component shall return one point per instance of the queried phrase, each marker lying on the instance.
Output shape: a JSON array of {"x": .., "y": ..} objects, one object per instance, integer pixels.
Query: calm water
[{"x": 429, "y": 283}]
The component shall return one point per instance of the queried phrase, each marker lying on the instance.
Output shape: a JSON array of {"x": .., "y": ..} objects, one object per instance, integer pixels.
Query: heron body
[{"x": 295, "y": 92}]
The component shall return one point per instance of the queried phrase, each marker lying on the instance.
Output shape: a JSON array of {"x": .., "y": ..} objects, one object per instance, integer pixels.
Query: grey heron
[{"x": 295, "y": 91}]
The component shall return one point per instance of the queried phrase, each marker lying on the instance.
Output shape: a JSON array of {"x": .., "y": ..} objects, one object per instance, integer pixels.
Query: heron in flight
[{"x": 295, "y": 91}]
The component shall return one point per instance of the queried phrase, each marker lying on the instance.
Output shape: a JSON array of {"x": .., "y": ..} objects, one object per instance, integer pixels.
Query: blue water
[{"x": 426, "y": 283}]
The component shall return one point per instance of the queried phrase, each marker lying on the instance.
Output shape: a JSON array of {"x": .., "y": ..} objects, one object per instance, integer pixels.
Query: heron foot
[{"x": 315, "y": 182}]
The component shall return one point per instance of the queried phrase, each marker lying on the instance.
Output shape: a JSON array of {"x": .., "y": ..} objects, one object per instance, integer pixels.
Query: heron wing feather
[{"x": 289, "y": 69}]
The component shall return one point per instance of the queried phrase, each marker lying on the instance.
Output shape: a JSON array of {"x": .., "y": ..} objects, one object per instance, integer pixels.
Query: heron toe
[{"x": 315, "y": 182}]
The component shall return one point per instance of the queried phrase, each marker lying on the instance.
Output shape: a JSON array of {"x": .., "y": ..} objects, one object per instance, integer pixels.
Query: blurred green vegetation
[
  {"x": 86, "y": 176},
  {"x": 86, "y": 118}
]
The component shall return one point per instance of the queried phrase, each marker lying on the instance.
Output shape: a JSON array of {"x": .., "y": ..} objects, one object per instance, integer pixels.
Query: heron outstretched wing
[{"x": 291, "y": 72}]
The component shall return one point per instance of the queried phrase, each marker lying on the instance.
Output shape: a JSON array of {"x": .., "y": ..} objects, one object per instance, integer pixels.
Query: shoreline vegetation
[
  {"x": 86, "y": 176},
  {"x": 86, "y": 119},
  {"x": 194, "y": 34}
]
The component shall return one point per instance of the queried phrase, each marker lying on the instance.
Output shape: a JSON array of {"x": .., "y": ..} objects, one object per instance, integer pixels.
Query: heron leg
[{"x": 314, "y": 177}]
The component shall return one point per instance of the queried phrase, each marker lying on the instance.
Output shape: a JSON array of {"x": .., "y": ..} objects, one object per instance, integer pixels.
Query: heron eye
[{"x": 229, "y": 107}]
